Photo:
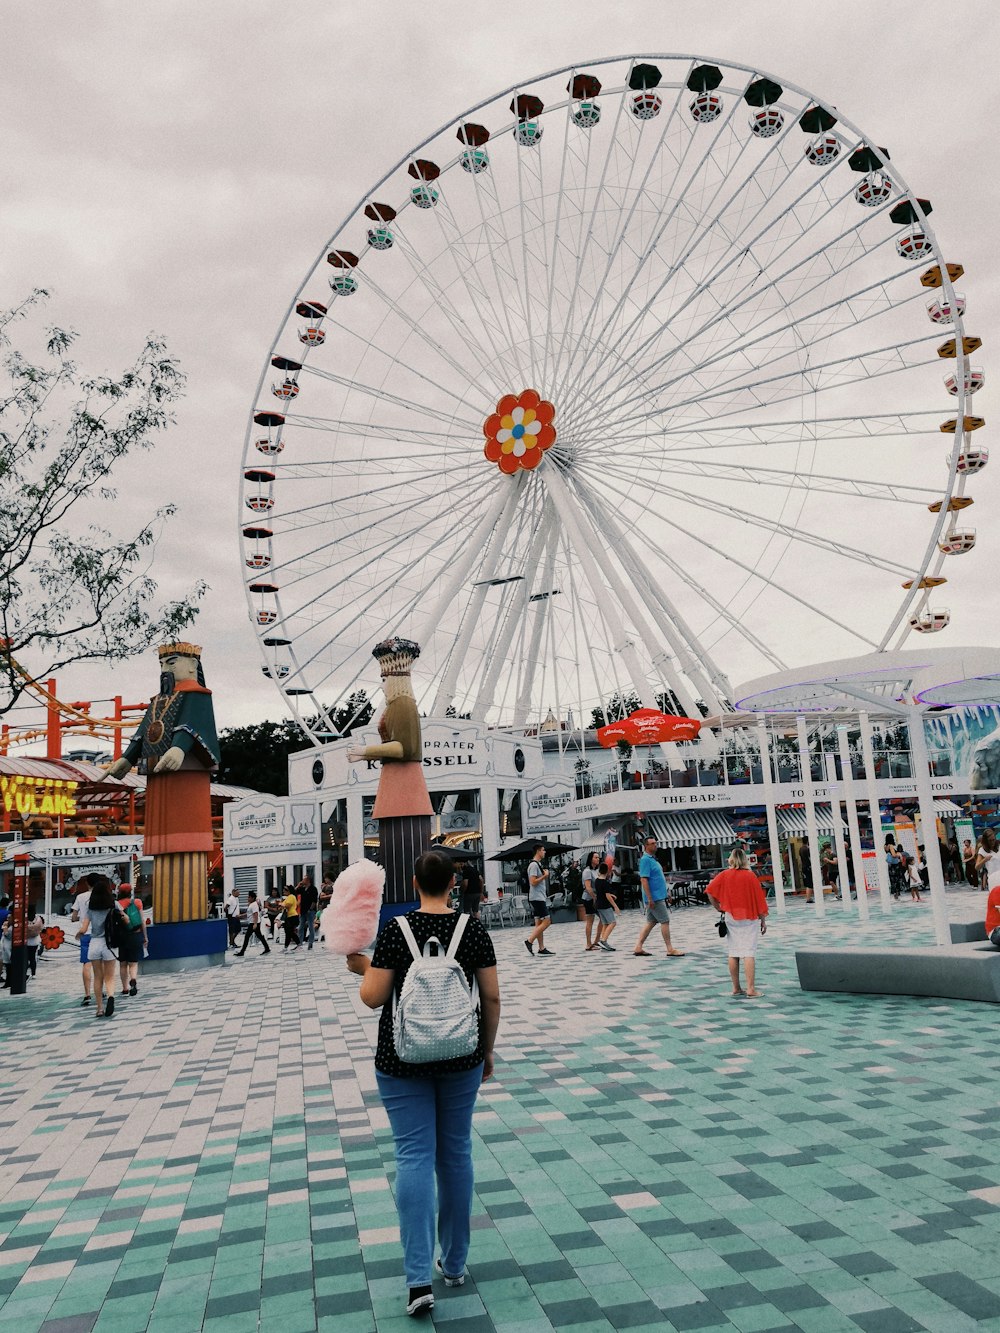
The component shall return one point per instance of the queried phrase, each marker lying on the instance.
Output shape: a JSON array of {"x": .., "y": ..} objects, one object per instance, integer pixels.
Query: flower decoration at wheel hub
[{"x": 519, "y": 431}]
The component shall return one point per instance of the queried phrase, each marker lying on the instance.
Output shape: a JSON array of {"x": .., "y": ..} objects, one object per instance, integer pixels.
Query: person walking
[
  {"x": 233, "y": 916},
  {"x": 272, "y": 909},
  {"x": 738, "y": 893},
  {"x": 988, "y": 860},
  {"x": 77, "y": 912},
  {"x": 253, "y": 924},
  {"x": 911, "y": 877},
  {"x": 607, "y": 907},
  {"x": 290, "y": 918},
  {"x": 895, "y": 862},
  {"x": 829, "y": 868},
  {"x": 590, "y": 899},
  {"x": 538, "y": 900},
  {"x": 968, "y": 859},
  {"x": 654, "y": 895},
  {"x": 472, "y": 890},
  {"x": 430, "y": 1105},
  {"x": 308, "y": 902},
  {"x": 134, "y": 942},
  {"x": 102, "y": 960},
  {"x": 33, "y": 937}
]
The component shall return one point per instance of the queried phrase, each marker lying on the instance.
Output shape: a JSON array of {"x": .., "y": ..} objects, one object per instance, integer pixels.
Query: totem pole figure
[
  {"x": 402, "y": 805},
  {"x": 177, "y": 748}
]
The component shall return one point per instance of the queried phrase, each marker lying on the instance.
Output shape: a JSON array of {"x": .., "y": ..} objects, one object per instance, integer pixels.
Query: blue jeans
[
  {"x": 431, "y": 1121},
  {"x": 309, "y": 928}
]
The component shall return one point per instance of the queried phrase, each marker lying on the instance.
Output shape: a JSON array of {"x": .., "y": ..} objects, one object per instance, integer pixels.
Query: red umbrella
[{"x": 648, "y": 726}]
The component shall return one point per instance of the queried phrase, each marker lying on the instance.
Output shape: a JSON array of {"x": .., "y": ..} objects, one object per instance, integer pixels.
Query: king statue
[{"x": 176, "y": 746}]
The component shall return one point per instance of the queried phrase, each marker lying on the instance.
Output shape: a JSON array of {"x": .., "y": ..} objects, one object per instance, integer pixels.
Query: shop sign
[
  {"x": 28, "y": 796},
  {"x": 271, "y": 825},
  {"x": 548, "y": 804}
]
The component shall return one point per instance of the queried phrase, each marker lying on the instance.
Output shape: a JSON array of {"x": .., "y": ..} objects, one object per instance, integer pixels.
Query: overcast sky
[{"x": 176, "y": 167}]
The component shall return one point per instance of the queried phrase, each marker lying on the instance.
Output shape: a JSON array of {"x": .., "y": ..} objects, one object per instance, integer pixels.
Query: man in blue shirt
[{"x": 654, "y": 893}]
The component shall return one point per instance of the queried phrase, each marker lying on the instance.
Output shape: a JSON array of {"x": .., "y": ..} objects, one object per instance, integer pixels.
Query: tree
[
  {"x": 256, "y": 756},
  {"x": 72, "y": 591}
]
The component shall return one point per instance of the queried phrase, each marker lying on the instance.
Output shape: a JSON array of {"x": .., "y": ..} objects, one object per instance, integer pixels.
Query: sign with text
[{"x": 548, "y": 805}]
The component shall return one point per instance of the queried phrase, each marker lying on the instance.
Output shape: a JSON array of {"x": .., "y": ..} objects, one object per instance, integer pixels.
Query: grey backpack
[{"x": 436, "y": 1016}]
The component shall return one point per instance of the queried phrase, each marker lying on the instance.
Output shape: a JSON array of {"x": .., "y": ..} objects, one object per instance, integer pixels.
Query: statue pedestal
[
  {"x": 183, "y": 946},
  {"x": 401, "y": 839}
]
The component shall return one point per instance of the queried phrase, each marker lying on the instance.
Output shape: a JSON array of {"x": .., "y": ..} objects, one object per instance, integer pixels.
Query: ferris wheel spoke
[
  {"x": 605, "y": 336},
  {"x": 810, "y": 481},
  {"x": 323, "y": 509},
  {"x": 464, "y": 372},
  {"x": 700, "y": 540},
  {"x": 378, "y": 432},
  {"x": 582, "y": 246},
  {"x": 854, "y": 553},
  {"x": 744, "y": 249},
  {"x": 745, "y": 350},
  {"x": 488, "y": 350},
  {"x": 348, "y": 539},
  {"x": 753, "y": 291},
  {"x": 499, "y": 249},
  {"x": 818, "y": 430},
  {"x": 382, "y": 395},
  {"x": 570, "y": 379},
  {"x": 843, "y": 372}
]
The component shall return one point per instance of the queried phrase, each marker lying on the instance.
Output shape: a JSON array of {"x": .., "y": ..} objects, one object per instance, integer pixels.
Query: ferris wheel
[{"x": 631, "y": 377}]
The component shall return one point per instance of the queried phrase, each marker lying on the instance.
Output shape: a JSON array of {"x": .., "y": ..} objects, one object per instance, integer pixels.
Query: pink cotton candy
[{"x": 350, "y": 923}]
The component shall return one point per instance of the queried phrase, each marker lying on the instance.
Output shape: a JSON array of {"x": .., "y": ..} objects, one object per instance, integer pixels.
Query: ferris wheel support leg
[
  {"x": 764, "y": 741},
  {"x": 928, "y": 823},
  {"x": 501, "y": 649},
  {"x": 692, "y": 658},
  {"x": 809, "y": 801},
  {"x": 875, "y": 814},
  {"x": 489, "y": 533},
  {"x": 852, "y": 825},
  {"x": 542, "y": 609},
  {"x": 577, "y": 539}
]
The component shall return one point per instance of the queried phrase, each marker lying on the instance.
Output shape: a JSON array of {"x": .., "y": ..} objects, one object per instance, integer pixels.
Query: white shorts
[
  {"x": 742, "y": 937},
  {"x": 99, "y": 951}
]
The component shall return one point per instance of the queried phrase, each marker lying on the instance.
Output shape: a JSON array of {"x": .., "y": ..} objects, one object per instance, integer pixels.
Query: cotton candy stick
[{"x": 350, "y": 923}]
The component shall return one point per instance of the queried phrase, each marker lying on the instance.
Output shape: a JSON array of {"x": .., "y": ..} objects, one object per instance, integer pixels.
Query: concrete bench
[
  {"x": 968, "y": 931},
  {"x": 963, "y": 972}
]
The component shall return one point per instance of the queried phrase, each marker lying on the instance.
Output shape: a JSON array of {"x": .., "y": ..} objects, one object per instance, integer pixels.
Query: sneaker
[
  {"x": 449, "y": 1281},
  {"x": 530, "y": 947},
  {"x": 421, "y": 1301},
  {"x": 611, "y": 948},
  {"x": 85, "y": 1001},
  {"x": 605, "y": 947},
  {"x": 109, "y": 1006},
  {"x": 545, "y": 953}
]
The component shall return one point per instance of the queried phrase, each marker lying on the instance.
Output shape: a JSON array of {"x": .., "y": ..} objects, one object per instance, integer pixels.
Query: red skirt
[
  {"x": 402, "y": 790},
  {"x": 178, "y": 812}
]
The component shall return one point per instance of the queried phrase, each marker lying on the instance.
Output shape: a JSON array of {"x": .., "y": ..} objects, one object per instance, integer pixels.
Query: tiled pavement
[{"x": 651, "y": 1153}]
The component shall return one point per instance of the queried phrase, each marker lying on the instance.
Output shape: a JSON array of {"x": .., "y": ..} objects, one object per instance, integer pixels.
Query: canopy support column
[
  {"x": 852, "y": 824},
  {"x": 764, "y": 742},
  {"x": 809, "y": 800},
  {"x": 875, "y": 814},
  {"x": 928, "y": 823}
]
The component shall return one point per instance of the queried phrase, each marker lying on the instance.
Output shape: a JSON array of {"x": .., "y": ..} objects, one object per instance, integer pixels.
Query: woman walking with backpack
[
  {"x": 95, "y": 924},
  {"x": 430, "y": 1098},
  {"x": 133, "y": 942}
]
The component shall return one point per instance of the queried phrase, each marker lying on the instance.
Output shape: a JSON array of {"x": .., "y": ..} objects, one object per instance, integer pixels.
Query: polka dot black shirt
[{"x": 475, "y": 950}]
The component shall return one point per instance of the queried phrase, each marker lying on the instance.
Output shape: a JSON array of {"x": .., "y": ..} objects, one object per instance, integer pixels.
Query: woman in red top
[{"x": 738, "y": 893}]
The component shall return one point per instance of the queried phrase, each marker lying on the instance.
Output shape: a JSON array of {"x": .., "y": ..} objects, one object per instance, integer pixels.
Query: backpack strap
[
  {"x": 409, "y": 937},
  {"x": 457, "y": 934}
]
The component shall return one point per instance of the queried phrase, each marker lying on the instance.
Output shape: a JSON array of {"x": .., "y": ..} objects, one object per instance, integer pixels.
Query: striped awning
[
  {"x": 947, "y": 808},
  {"x": 792, "y": 820},
  {"x": 691, "y": 828}
]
